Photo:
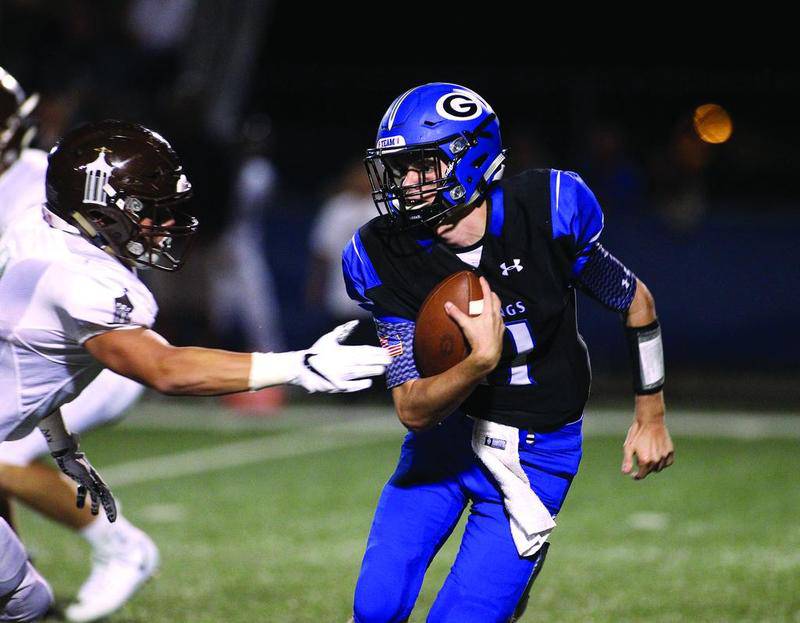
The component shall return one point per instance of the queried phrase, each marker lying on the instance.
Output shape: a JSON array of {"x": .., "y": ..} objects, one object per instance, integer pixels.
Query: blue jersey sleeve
[
  {"x": 359, "y": 273},
  {"x": 576, "y": 215}
]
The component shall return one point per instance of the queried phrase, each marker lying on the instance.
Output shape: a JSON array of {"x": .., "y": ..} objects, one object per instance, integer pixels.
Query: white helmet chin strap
[
  {"x": 496, "y": 169},
  {"x": 494, "y": 172}
]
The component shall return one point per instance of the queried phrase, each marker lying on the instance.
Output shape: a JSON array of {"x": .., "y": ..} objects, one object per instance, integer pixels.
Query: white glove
[
  {"x": 330, "y": 367},
  {"x": 325, "y": 367}
]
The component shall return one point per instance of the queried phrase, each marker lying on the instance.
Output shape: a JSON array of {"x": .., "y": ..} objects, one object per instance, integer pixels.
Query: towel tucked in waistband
[{"x": 497, "y": 446}]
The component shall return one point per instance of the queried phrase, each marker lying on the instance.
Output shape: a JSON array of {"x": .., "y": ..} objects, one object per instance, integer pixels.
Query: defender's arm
[{"x": 143, "y": 355}]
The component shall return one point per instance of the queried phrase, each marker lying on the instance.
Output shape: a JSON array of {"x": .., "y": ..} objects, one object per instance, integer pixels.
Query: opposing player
[
  {"x": 122, "y": 555},
  {"x": 71, "y": 303},
  {"x": 500, "y": 431}
]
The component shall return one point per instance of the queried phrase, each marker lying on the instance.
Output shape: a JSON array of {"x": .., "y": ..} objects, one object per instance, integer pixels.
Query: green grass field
[{"x": 266, "y": 520}]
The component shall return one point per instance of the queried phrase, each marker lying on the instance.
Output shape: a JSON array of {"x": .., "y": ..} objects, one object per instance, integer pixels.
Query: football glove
[
  {"x": 75, "y": 465},
  {"x": 327, "y": 366}
]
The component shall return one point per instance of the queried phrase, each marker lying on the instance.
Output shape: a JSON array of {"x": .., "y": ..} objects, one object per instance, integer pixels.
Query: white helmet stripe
[{"x": 396, "y": 107}]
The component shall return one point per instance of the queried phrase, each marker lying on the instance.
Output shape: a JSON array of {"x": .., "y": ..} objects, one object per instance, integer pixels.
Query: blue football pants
[{"x": 436, "y": 477}]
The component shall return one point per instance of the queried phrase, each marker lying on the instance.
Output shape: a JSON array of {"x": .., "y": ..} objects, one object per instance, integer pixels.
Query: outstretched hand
[{"x": 329, "y": 366}]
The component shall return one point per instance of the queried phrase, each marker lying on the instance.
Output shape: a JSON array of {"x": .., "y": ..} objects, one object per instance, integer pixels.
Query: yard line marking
[
  {"x": 261, "y": 450},
  {"x": 164, "y": 513},
  {"x": 648, "y": 521},
  {"x": 598, "y": 422}
]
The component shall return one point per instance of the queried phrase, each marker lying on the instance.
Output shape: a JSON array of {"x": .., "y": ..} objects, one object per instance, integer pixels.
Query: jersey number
[{"x": 523, "y": 342}]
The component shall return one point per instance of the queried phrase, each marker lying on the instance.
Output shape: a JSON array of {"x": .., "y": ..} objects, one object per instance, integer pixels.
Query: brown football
[{"x": 439, "y": 343}]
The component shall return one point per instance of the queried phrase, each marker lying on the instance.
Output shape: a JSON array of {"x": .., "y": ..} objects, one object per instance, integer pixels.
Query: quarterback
[
  {"x": 71, "y": 305},
  {"x": 499, "y": 432}
]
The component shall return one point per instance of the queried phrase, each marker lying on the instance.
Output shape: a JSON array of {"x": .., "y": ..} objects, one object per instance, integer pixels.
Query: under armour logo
[{"x": 515, "y": 266}]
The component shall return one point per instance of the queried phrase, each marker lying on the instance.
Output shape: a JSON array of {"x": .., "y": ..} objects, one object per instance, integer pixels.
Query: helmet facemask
[
  {"x": 422, "y": 202},
  {"x": 143, "y": 232}
]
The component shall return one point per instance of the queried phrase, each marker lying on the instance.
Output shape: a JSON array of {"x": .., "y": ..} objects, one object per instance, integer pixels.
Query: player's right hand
[
  {"x": 484, "y": 332},
  {"x": 75, "y": 465},
  {"x": 330, "y": 367}
]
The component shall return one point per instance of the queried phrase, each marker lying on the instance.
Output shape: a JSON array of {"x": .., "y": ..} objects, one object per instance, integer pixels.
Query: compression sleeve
[
  {"x": 607, "y": 280},
  {"x": 397, "y": 337}
]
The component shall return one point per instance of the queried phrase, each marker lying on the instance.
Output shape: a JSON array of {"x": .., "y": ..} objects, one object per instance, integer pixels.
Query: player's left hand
[
  {"x": 648, "y": 439},
  {"x": 75, "y": 465}
]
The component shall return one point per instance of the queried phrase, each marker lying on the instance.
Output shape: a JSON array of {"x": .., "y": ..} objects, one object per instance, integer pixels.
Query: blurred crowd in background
[{"x": 700, "y": 200}]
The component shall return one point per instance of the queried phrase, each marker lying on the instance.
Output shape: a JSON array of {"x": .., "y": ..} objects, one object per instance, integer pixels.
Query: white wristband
[
  {"x": 55, "y": 432},
  {"x": 268, "y": 369}
]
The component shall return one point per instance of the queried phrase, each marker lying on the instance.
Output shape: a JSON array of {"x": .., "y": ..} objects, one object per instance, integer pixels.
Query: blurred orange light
[{"x": 712, "y": 123}]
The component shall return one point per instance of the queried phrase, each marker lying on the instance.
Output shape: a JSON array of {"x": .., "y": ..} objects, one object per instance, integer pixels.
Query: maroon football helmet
[{"x": 121, "y": 185}]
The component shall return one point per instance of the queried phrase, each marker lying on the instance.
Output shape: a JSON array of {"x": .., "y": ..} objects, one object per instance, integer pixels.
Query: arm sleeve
[
  {"x": 576, "y": 215},
  {"x": 397, "y": 337},
  {"x": 607, "y": 280}
]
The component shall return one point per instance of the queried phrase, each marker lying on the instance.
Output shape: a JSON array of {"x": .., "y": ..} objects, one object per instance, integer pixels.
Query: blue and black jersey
[{"x": 541, "y": 242}]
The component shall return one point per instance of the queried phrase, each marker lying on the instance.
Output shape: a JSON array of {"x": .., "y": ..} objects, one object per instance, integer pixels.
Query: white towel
[{"x": 497, "y": 446}]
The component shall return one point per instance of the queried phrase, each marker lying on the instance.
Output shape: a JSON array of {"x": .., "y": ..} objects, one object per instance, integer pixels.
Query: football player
[
  {"x": 501, "y": 431},
  {"x": 71, "y": 303},
  {"x": 122, "y": 555}
]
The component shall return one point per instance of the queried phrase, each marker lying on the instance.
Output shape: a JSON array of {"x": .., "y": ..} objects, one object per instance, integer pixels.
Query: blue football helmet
[{"x": 450, "y": 137}]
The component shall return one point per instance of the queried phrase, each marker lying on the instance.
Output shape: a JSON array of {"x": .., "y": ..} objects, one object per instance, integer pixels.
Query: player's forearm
[
  {"x": 642, "y": 311},
  {"x": 650, "y": 407},
  {"x": 200, "y": 372},
  {"x": 427, "y": 401}
]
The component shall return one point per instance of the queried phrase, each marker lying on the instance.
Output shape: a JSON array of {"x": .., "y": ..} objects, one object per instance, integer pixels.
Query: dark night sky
[{"x": 327, "y": 82}]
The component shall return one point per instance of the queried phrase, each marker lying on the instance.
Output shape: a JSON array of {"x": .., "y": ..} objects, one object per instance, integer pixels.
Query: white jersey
[
  {"x": 22, "y": 186},
  {"x": 57, "y": 290}
]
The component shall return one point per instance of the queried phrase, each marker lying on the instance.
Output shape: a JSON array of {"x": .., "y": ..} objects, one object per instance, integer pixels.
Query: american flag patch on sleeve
[
  {"x": 393, "y": 344},
  {"x": 398, "y": 340}
]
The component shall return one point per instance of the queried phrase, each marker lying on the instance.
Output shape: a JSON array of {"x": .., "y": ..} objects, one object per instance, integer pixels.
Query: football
[{"x": 439, "y": 343}]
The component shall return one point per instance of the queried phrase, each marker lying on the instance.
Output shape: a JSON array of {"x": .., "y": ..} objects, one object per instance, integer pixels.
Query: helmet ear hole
[{"x": 478, "y": 162}]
